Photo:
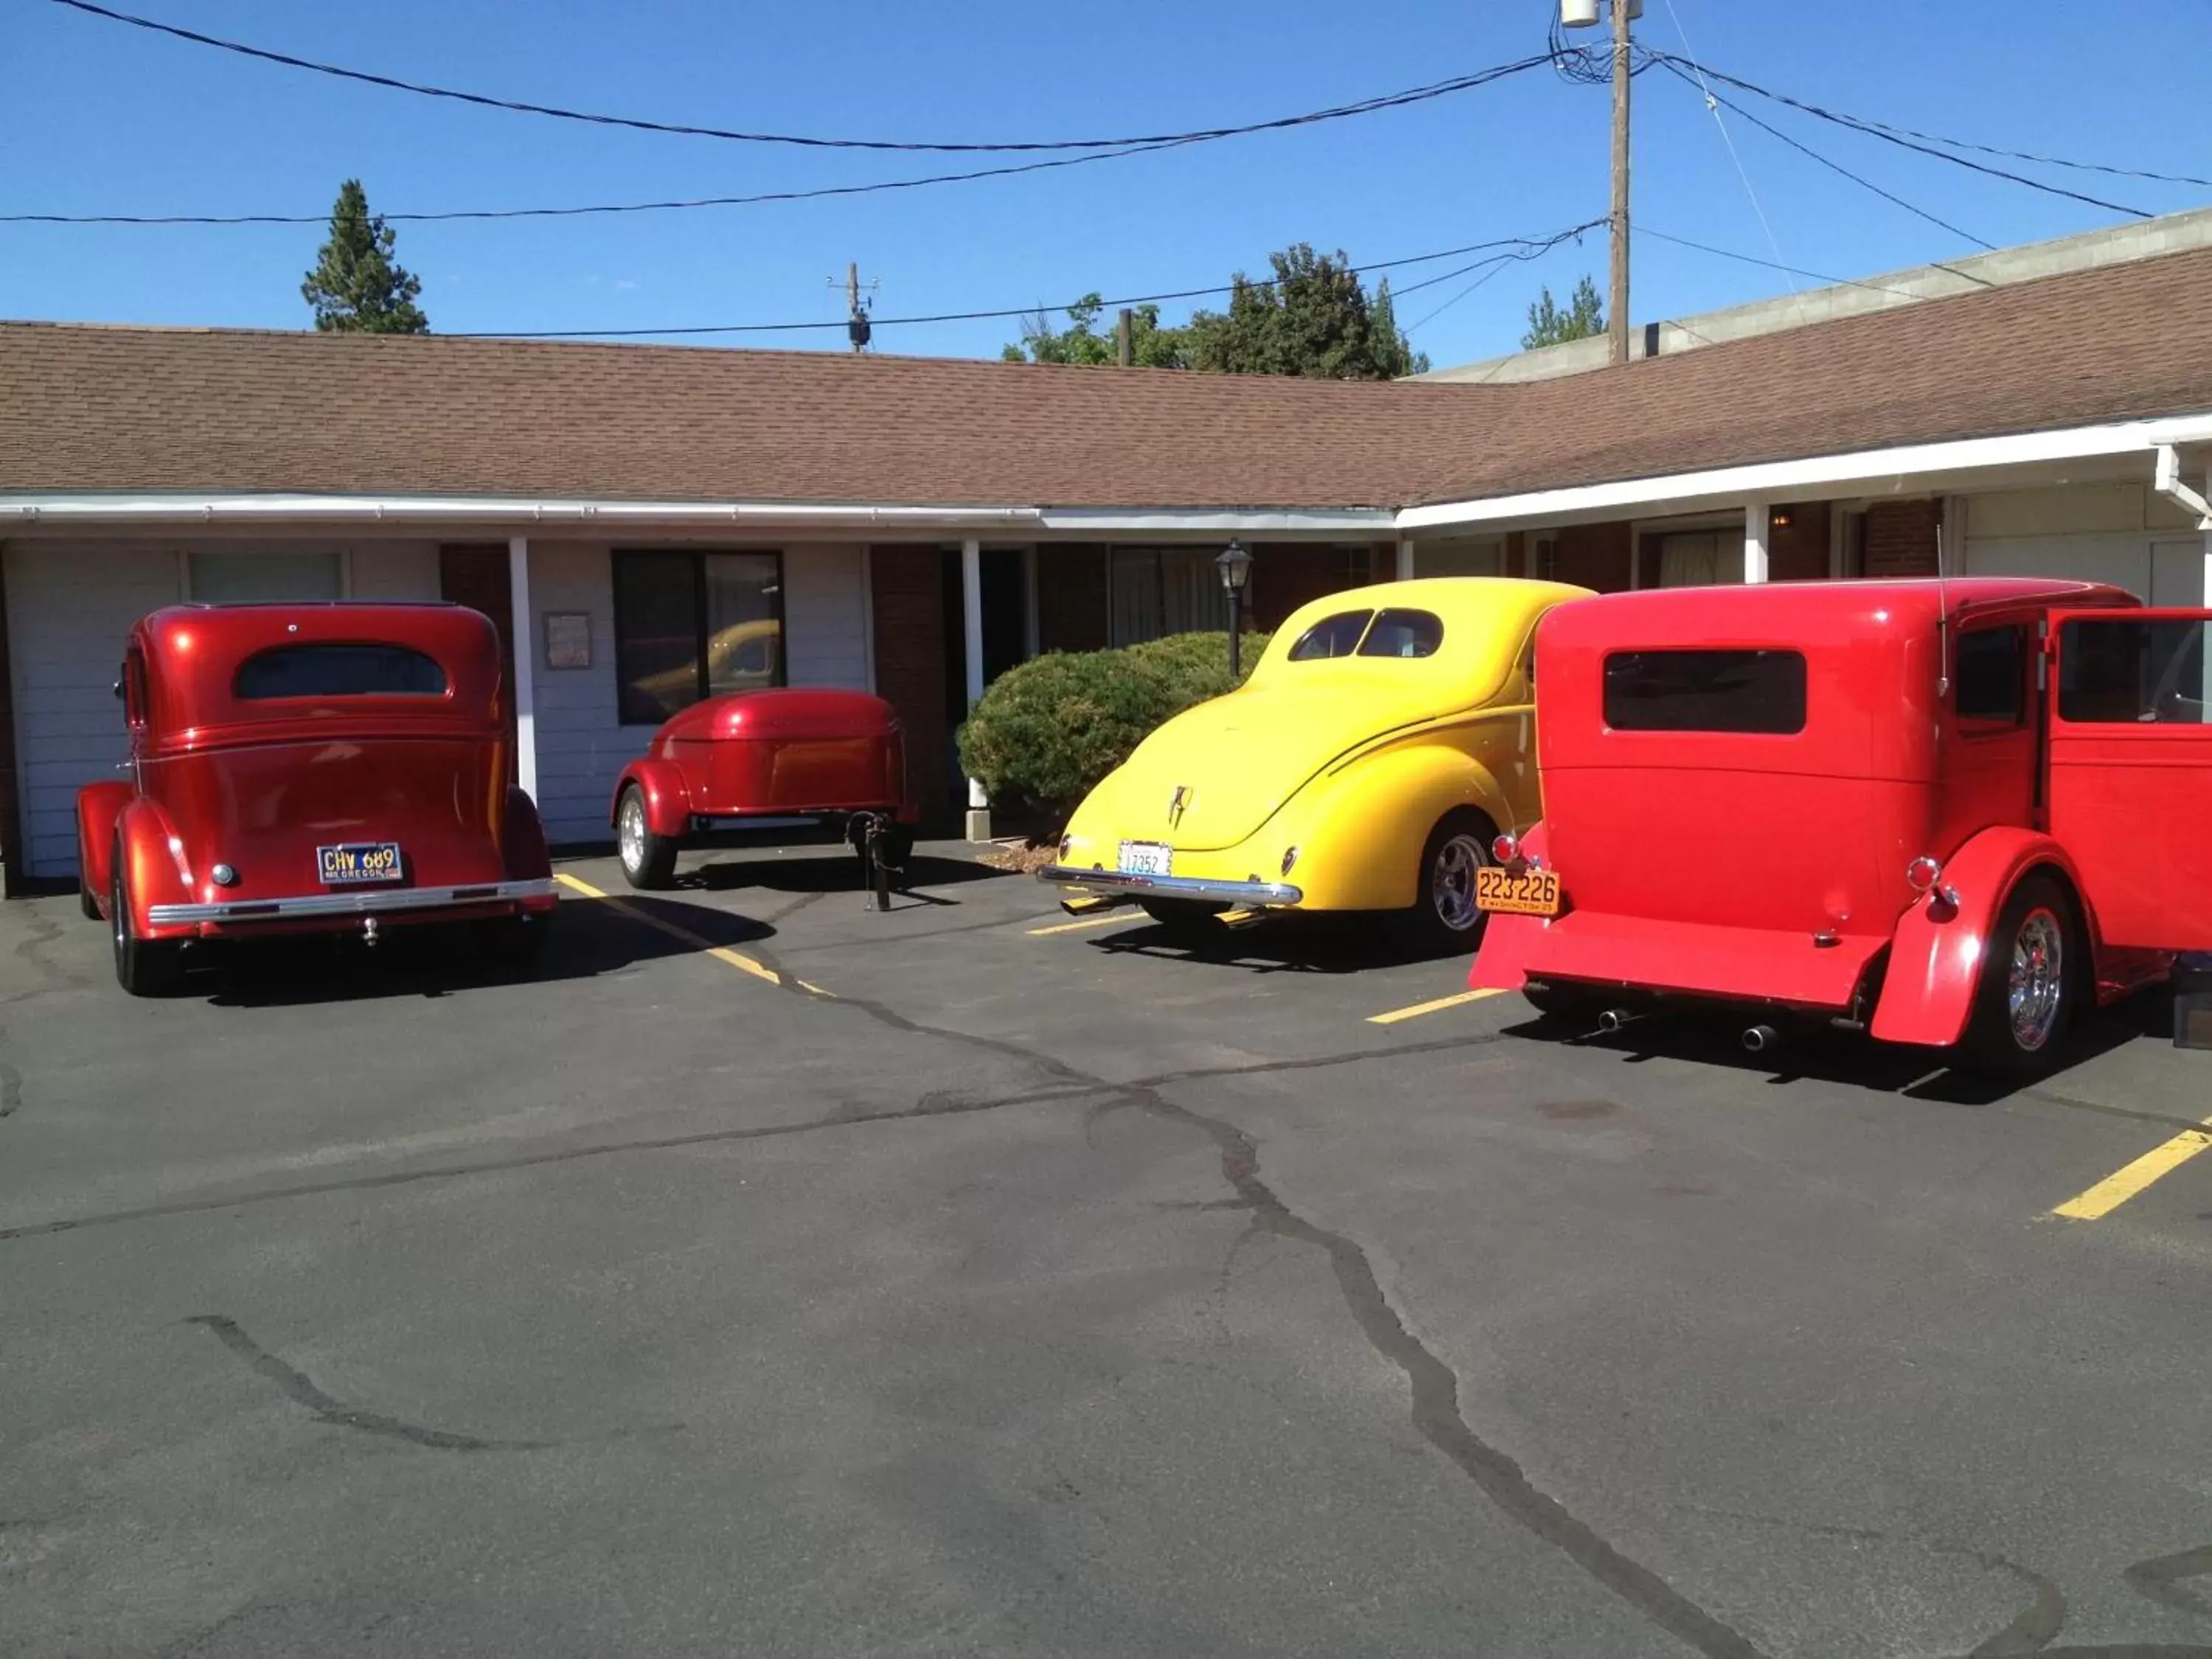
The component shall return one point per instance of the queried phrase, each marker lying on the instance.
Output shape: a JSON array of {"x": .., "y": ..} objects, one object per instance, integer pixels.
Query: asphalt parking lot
[{"x": 772, "y": 1276}]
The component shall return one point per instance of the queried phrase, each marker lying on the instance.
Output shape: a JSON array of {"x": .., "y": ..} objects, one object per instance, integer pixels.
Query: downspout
[{"x": 2167, "y": 480}]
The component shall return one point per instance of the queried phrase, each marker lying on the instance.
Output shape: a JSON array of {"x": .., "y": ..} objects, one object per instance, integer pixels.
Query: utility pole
[
  {"x": 857, "y": 328},
  {"x": 1617, "y": 319},
  {"x": 1125, "y": 351}
]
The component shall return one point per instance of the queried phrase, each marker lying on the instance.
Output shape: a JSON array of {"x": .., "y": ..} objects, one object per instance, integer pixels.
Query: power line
[
  {"x": 1496, "y": 265},
  {"x": 518, "y": 106},
  {"x": 1795, "y": 270},
  {"x": 1712, "y": 105},
  {"x": 1519, "y": 247}
]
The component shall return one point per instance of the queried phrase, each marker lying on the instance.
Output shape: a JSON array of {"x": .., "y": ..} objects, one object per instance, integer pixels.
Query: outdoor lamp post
[{"x": 1235, "y": 565}]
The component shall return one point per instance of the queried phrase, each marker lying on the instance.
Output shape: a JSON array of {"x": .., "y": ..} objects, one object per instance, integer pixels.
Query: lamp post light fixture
[{"x": 1235, "y": 565}]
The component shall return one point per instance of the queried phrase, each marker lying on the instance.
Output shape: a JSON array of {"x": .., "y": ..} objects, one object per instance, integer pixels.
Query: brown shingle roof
[{"x": 114, "y": 409}]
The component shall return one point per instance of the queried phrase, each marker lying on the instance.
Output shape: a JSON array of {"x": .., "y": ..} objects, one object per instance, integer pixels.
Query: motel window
[
  {"x": 689, "y": 626},
  {"x": 1991, "y": 675},
  {"x": 1154, "y": 591},
  {"x": 1751, "y": 691},
  {"x": 276, "y": 576}
]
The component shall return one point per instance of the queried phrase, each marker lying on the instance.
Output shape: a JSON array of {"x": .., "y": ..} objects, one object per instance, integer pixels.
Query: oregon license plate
[
  {"x": 1518, "y": 892},
  {"x": 1146, "y": 857},
  {"x": 357, "y": 861}
]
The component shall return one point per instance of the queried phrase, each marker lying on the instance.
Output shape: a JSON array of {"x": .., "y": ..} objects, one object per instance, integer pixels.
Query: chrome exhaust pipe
[
  {"x": 1759, "y": 1038},
  {"x": 1613, "y": 1019}
]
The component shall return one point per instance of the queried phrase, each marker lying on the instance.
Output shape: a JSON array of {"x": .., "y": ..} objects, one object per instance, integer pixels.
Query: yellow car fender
[{"x": 1361, "y": 828}]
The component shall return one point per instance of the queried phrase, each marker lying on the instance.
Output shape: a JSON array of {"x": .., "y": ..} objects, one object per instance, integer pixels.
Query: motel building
[{"x": 649, "y": 525}]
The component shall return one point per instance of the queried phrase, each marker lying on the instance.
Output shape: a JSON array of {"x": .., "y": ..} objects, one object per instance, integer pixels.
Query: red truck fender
[
  {"x": 1498, "y": 960},
  {"x": 154, "y": 868},
  {"x": 667, "y": 801},
  {"x": 1936, "y": 955},
  {"x": 99, "y": 806}
]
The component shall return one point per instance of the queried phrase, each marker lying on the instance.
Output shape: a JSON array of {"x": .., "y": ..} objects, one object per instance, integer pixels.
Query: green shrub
[{"x": 1048, "y": 731}]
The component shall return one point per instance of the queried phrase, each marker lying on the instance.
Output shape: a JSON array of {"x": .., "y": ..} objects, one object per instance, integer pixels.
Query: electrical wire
[
  {"x": 1795, "y": 270},
  {"x": 1497, "y": 265},
  {"x": 1527, "y": 247},
  {"x": 484, "y": 100},
  {"x": 1713, "y": 108}
]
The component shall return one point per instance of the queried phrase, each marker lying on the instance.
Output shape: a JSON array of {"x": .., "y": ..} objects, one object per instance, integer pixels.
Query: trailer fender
[
  {"x": 99, "y": 806},
  {"x": 1505, "y": 938},
  {"x": 153, "y": 868},
  {"x": 1936, "y": 957},
  {"x": 667, "y": 801}
]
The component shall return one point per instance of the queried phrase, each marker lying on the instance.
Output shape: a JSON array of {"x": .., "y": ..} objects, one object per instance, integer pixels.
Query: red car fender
[
  {"x": 154, "y": 870},
  {"x": 1935, "y": 965},
  {"x": 522, "y": 840},
  {"x": 667, "y": 801},
  {"x": 1498, "y": 960},
  {"x": 99, "y": 805}
]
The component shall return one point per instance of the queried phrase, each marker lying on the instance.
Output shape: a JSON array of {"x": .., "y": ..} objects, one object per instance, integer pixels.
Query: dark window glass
[
  {"x": 1705, "y": 691},
  {"x": 1992, "y": 675},
  {"x": 1403, "y": 633},
  {"x": 694, "y": 625},
  {"x": 2136, "y": 672},
  {"x": 340, "y": 671},
  {"x": 1331, "y": 636}
]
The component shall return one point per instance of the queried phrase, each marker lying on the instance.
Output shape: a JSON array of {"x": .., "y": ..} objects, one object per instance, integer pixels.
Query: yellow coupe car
[{"x": 1381, "y": 745}]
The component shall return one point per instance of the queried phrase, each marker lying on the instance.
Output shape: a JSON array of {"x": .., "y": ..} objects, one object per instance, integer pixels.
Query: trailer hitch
[{"x": 884, "y": 845}]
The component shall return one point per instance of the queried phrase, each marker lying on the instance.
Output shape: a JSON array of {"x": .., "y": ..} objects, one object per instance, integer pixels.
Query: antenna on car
[{"x": 1942, "y": 613}]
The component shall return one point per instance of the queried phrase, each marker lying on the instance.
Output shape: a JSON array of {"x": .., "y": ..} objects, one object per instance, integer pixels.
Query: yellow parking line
[
  {"x": 1086, "y": 921},
  {"x": 737, "y": 959},
  {"x": 1436, "y": 1007},
  {"x": 2117, "y": 1188}
]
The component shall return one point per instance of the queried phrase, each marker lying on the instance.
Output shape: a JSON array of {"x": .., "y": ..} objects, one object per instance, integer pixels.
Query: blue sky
[{"x": 104, "y": 118}]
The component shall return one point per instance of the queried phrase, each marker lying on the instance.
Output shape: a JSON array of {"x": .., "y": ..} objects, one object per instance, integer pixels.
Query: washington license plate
[
  {"x": 1518, "y": 892},
  {"x": 358, "y": 861},
  {"x": 1146, "y": 857}
]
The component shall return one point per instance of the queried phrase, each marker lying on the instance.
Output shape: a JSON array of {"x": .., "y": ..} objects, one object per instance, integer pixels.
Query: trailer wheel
[
  {"x": 144, "y": 967},
  {"x": 647, "y": 860},
  {"x": 2024, "y": 1003},
  {"x": 85, "y": 901}
]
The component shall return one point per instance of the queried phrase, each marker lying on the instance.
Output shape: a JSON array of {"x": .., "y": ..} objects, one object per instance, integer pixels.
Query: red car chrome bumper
[
  {"x": 368, "y": 901},
  {"x": 1756, "y": 964}
]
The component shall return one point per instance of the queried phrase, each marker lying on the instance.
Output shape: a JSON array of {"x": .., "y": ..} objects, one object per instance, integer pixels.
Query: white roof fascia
[
  {"x": 94, "y": 507},
  {"x": 1367, "y": 521},
  {"x": 1872, "y": 472}
]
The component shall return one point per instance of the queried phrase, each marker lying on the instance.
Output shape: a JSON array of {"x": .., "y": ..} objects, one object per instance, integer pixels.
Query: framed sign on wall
[{"x": 568, "y": 639}]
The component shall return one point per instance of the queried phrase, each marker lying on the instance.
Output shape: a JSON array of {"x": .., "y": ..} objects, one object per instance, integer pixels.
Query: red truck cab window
[{"x": 322, "y": 670}]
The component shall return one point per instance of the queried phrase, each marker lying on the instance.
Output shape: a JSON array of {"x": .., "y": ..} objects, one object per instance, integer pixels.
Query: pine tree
[
  {"x": 354, "y": 288},
  {"x": 1394, "y": 355},
  {"x": 1549, "y": 325}
]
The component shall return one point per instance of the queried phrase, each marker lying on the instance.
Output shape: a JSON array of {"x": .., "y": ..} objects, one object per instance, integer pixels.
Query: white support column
[
  {"x": 524, "y": 629},
  {"x": 868, "y": 611},
  {"x": 1030, "y": 633},
  {"x": 2206, "y": 599},
  {"x": 972, "y": 616},
  {"x": 1755, "y": 522},
  {"x": 1405, "y": 561}
]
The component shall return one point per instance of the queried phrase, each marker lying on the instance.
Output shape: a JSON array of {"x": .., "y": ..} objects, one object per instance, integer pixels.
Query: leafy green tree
[
  {"x": 356, "y": 287},
  {"x": 1394, "y": 353},
  {"x": 1549, "y": 325},
  {"x": 1150, "y": 346}
]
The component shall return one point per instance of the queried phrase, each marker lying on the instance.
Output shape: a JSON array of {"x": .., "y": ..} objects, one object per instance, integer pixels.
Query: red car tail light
[{"x": 1506, "y": 849}]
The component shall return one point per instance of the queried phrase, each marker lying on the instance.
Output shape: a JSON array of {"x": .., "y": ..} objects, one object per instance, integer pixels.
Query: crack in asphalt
[
  {"x": 2157, "y": 1579},
  {"x": 11, "y": 1089},
  {"x": 298, "y": 1387}
]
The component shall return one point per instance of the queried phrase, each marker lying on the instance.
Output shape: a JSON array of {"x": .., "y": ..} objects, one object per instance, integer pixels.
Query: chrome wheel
[
  {"x": 1452, "y": 882},
  {"x": 629, "y": 828},
  {"x": 2035, "y": 981}
]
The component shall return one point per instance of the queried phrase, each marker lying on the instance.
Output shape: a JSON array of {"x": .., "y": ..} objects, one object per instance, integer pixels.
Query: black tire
[
  {"x": 1444, "y": 919},
  {"x": 85, "y": 901},
  {"x": 1186, "y": 918},
  {"x": 514, "y": 943},
  {"x": 144, "y": 967},
  {"x": 2034, "y": 952},
  {"x": 1564, "y": 1002},
  {"x": 647, "y": 860}
]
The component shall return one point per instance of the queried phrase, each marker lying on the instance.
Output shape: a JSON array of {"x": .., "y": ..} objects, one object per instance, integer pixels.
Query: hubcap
[
  {"x": 632, "y": 832},
  {"x": 2035, "y": 984},
  {"x": 1451, "y": 883}
]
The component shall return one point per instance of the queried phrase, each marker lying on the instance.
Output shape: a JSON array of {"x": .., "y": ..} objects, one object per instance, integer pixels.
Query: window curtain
[{"x": 1157, "y": 591}]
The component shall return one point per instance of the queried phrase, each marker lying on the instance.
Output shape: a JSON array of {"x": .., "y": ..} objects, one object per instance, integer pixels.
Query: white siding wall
[
  {"x": 69, "y": 606},
  {"x": 582, "y": 747},
  {"x": 2123, "y": 533}
]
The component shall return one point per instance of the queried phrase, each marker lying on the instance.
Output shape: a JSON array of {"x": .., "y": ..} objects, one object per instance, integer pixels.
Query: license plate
[
  {"x": 1146, "y": 857},
  {"x": 1518, "y": 892},
  {"x": 358, "y": 861}
]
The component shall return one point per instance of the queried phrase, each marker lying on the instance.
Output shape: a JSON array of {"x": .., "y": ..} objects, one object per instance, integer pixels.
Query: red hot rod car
[
  {"x": 308, "y": 769},
  {"x": 727, "y": 770},
  {"x": 1953, "y": 812}
]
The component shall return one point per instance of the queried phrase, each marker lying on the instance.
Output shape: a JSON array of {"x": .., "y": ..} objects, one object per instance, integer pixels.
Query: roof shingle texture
[{"x": 89, "y": 408}]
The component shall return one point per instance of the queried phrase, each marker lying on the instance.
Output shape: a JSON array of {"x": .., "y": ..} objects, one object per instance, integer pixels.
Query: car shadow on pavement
[
  {"x": 1325, "y": 944},
  {"x": 1851, "y": 1059},
  {"x": 590, "y": 937},
  {"x": 833, "y": 869}
]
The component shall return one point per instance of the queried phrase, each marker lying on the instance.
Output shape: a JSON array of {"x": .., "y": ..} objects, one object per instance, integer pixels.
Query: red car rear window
[{"x": 338, "y": 671}]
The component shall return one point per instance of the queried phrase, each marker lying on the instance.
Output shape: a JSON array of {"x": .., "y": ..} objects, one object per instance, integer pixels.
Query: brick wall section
[
  {"x": 1900, "y": 538},
  {"x": 908, "y": 597},
  {"x": 11, "y": 827},
  {"x": 1798, "y": 553},
  {"x": 1072, "y": 612},
  {"x": 1288, "y": 575}
]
